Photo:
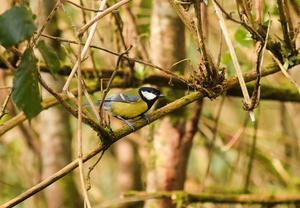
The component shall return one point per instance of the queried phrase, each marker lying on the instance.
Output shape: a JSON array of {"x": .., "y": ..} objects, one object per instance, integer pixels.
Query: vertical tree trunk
[
  {"x": 173, "y": 140},
  {"x": 55, "y": 135}
]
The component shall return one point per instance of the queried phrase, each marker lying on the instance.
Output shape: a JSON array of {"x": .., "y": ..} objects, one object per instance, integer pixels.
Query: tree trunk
[{"x": 173, "y": 140}]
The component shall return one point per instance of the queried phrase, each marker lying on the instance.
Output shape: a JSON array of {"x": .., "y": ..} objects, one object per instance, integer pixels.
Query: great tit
[{"x": 131, "y": 104}]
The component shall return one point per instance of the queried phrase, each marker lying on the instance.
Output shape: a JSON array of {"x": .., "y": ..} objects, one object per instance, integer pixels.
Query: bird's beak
[{"x": 161, "y": 96}]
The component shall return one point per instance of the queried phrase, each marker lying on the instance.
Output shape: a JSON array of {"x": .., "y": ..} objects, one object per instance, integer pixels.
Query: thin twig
[
  {"x": 82, "y": 7},
  {"x": 89, "y": 99},
  {"x": 79, "y": 132},
  {"x": 84, "y": 50},
  {"x": 237, "y": 67},
  {"x": 50, "y": 16},
  {"x": 236, "y": 136},
  {"x": 91, "y": 168},
  {"x": 101, "y": 15},
  {"x": 260, "y": 59},
  {"x": 283, "y": 70},
  {"x": 5, "y": 103},
  {"x": 251, "y": 158}
]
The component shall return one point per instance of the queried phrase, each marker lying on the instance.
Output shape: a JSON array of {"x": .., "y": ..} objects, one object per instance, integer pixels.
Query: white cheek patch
[{"x": 148, "y": 95}]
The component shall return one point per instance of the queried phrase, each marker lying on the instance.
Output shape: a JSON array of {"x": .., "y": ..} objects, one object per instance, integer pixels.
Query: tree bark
[{"x": 173, "y": 140}]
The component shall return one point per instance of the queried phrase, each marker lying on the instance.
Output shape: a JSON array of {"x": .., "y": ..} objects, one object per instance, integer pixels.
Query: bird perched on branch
[{"x": 132, "y": 104}]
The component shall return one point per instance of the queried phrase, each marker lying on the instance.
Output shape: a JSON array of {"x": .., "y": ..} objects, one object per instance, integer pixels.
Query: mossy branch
[{"x": 188, "y": 198}]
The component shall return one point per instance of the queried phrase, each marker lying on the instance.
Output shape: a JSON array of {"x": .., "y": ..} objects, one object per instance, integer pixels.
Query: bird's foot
[
  {"x": 146, "y": 118},
  {"x": 127, "y": 122}
]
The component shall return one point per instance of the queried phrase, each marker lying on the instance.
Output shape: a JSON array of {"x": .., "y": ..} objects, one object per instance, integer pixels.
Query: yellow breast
[{"x": 129, "y": 110}]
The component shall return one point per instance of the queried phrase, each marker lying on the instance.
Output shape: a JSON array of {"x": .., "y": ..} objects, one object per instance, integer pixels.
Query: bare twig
[
  {"x": 91, "y": 168},
  {"x": 236, "y": 136},
  {"x": 251, "y": 158},
  {"x": 89, "y": 99},
  {"x": 84, "y": 50},
  {"x": 101, "y": 15},
  {"x": 283, "y": 70},
  {"x": 79, "y": 131},
  {"x": 4, "y": 105},
  {"x": 50, "y": 16},
  {"x": 234, "y": 58},
  {"x": 82, "y": 7},
  {"x": 260, "y": 59}
]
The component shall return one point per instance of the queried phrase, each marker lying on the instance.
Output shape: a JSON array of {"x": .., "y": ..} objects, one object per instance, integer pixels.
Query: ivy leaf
[
  {"x": 50, "y": 57},
  {"x": 243, "y": 37},
  {"x": 26, "y": 93},
  {"x": 16, "y": 25}
]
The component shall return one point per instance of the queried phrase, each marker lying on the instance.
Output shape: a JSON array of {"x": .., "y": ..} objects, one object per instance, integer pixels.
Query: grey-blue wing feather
[{"x": 119, "y": 98}]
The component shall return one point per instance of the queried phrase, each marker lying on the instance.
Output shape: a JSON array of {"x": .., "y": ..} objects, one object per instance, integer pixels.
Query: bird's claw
[
  {"x": 130, "y": 125},
  {"x": 127, "y": 122},
  {"x": 146, "y": 118}
]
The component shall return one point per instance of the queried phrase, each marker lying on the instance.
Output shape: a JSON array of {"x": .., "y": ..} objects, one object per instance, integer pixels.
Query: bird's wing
[
  {"x": 119, "y": 98},
  {"x": 122, "y": 98}
]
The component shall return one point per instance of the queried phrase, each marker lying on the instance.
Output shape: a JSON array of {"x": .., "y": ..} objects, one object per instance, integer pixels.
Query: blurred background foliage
[{"x": 275, "y": 167}]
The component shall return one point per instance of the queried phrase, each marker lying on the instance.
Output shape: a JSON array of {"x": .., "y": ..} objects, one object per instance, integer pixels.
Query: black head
[{"x": 149, "y": 95}]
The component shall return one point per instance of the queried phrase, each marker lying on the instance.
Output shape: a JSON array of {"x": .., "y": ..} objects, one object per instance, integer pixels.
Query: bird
[{"x": 131, "y": 104}]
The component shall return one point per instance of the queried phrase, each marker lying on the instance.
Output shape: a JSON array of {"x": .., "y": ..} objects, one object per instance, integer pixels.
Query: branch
[{"x": 189, "y": 198}]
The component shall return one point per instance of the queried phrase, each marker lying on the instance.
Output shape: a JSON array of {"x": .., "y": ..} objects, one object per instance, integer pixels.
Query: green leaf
[
  {"x": 50, "y": 57},
  {"x": 26, "y": 93},
  {"x": 243, "y": 37},
  {"x": 16, "y": 25}
]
